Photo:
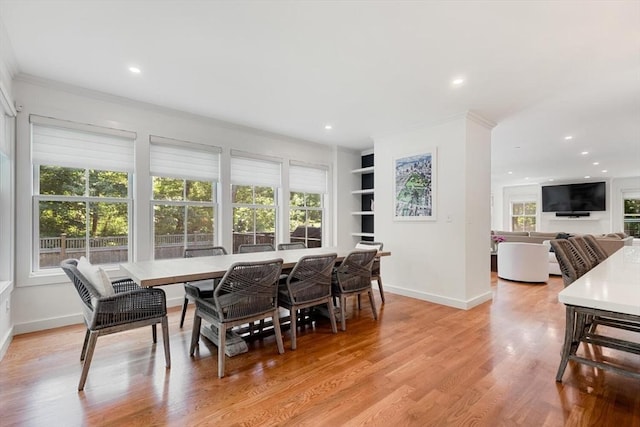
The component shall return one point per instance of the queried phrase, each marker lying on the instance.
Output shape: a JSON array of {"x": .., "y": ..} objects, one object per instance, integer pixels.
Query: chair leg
[
  {"x": 165, "y": 341},
  {"x": 332, "y": 316},
  {"x": 372, "y": 301},
  {"x": 184, "y": 310},
  {"x": 343, "y": 313},
  {"x": 293, "y": 315},
  {"x": 91, "y": 346},
  {"x": 222, "y": 338},
  {"x": 154, "y": 333},
  {"x": 84, "y": 345},
  {"x": 379, "y": 280},
  {"x": 277, "y": 330},
  {"x": 195, "y": 333}
]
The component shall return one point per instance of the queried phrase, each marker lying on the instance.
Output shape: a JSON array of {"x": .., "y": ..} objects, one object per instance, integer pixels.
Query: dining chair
[
  {"x": 293, "y": 245},
  {"x": 570, "y": 260},
  {"x": 248, "y": 292},
  {"x": 255, "y": 247},
  {"x": 200, "y": 288},
  {"x": 129, "y": 307},
  {"x": 308, "y": 285},
  {"x": 375, "y": 268},
  {"x": 587, "y": 252},
  {"x": 353, "y": 277},
  {"x": 597, "y": 249}
]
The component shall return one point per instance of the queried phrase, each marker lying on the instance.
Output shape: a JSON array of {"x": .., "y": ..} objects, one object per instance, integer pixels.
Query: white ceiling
[{"x": 540, "y": 70}]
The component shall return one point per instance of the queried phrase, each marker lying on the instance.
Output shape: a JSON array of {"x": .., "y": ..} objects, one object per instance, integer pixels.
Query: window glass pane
[
  {"x": 265, "y": 196},
  {"x": 265, "y": 220},
  {"x": 297, "y": 218},
  {"x": 62, "y": 232},
  {"x": 56, "y": 180},
  {"x": 314, "y": 200},
  {"x": 530, "y": 208},
  {"x": 243, "y": 227},
  {"x": 314, "y": 229},
  {"x": 168, "y": 226},
  {"x": 242, "y": 194},
  {"x": 200, "y": 191},
  {"x": 296, "y": 199},
  {"x": 168, "y": 188},
  {"x": 200, "y": 225},
  {"x": 108, "y": 233},
  {"x": 108, "y": 184},
  {"x": 517, "y": 208},
  {"x": 632, "y": 206}
]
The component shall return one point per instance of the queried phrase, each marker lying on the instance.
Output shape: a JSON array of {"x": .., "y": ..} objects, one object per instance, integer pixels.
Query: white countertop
[{"x": 612, "y": 285}]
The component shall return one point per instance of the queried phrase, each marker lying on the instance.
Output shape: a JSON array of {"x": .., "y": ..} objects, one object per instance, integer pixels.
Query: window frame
[
  {"x": 632, "y": 195},
  {"x": 307, "y": 209},
  {"x": 512, "y": 216}
]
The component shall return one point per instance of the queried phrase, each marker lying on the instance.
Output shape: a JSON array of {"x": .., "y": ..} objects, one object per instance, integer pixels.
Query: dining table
[
  {"x": 179, "y": 270},
  {"x": 607, "y": 295}
]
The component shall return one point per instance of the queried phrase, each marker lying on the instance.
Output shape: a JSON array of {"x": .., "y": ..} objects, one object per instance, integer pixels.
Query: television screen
[{"x": 574, "y": 197}]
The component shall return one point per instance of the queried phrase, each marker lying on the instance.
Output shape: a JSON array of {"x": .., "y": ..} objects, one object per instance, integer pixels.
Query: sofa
[{"x": 609, "y": 242}]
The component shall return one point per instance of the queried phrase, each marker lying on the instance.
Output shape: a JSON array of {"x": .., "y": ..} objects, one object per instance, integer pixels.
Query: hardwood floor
[{"x": 420, "y": 364}]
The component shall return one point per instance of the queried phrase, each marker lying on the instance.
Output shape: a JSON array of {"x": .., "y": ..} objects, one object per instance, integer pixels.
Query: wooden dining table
[
  {"x": 180, "y": 270},
  {"x": 607, "y": 295}
]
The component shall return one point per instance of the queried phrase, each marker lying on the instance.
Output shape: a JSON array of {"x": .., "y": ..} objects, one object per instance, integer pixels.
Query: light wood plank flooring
[{"x": 420, "y": 364}]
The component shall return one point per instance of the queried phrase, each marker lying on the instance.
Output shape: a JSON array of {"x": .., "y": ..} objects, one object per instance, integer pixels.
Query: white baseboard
[
  {"x": 439, "y": 299},
  {"x": 40, "y": 325},
  {"x": 6, "y": 342}
]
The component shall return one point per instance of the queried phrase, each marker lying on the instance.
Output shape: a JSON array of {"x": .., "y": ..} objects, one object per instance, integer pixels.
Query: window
[
  {"x": 523, "y": 216},
  {"x": 631, "y": 214},
  {"x": 254, "y": 200},
  {"x": 184, "y": 177},
  {"x": 308, "y": 187},
  {"x": 82, "y": 197}
]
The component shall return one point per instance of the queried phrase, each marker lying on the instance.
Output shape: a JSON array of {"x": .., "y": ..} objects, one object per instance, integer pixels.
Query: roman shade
[
  {"x": 185, "y": 160},
  {"x": 307, "y": 179}
]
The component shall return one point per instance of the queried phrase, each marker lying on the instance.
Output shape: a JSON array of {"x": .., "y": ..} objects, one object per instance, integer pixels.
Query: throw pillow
[
  {"x": 563, "y": 235},
  {"x": 367, "y": 247},
  {"x": 94, "y": 277},
  {"x": 106, "y": 283}
]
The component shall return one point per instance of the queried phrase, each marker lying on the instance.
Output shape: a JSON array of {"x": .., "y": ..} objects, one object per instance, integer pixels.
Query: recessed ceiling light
[
  {"x": 568, "y": 137},
  {"x": 510, "y": 173},
  {"x": 588, "y": 176},
  {"x": 328, "y": 127},
  {"x": 584, "y": 153},
  {"x": 526, "y": 177},
  {"x": 604, "y": 171},
  {"x": 551, "y": 179},
  {"x": 134, "y": 70},
  {"x": 457, "y": 81},
  {"x": 596, "y": 163}
]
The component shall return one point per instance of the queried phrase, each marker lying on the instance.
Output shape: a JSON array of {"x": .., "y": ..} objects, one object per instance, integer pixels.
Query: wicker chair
[
  {"x": 375, "y": 269},
  {"x": 248, "y": 292},
  {"x": 308, "y": 285},
  {"x": 353, "y": 277},
  {"x": 258, "y": 247},
  {"x": 593, "y": 244},
  {"x": 570, "y": 259},
  {"x": 200, "y": 288},
  {"x": 587, "y": 253},
  {"x": 131, "y": 307},
  {"x": 295, "y": 245}
]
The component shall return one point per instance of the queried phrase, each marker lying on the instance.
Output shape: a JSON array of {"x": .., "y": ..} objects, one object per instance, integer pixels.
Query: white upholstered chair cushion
[{"x": 523, "y": 262}]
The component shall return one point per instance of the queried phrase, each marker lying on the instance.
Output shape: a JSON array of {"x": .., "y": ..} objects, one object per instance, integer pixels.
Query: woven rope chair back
[
  {"x": 295, "y": 245},
  {"x": 588, "y": 254},
  {"x": 595, "y": 247},
  {"x": 570, "y": 259},
  {"x": 354, "y": 273},
  {"x": 258, "y": 247},
  {"x": 248, "y": 289},
  {"x": 310, "y": 278},
  {"x": 204, "y": 251}
]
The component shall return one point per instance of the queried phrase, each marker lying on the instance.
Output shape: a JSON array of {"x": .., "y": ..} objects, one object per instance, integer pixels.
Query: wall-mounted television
[{"x": 584, "y": 197}]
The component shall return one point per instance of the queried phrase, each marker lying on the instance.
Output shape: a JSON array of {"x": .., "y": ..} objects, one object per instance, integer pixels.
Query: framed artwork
[{"x": 414, "y": 193}]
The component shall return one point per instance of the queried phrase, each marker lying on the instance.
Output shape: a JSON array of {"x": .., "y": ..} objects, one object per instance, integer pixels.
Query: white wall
[
  {"x": 446, "y": 260},
  {"x": 47, "y": 300},
  {"x": 596, "y": 223}
]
